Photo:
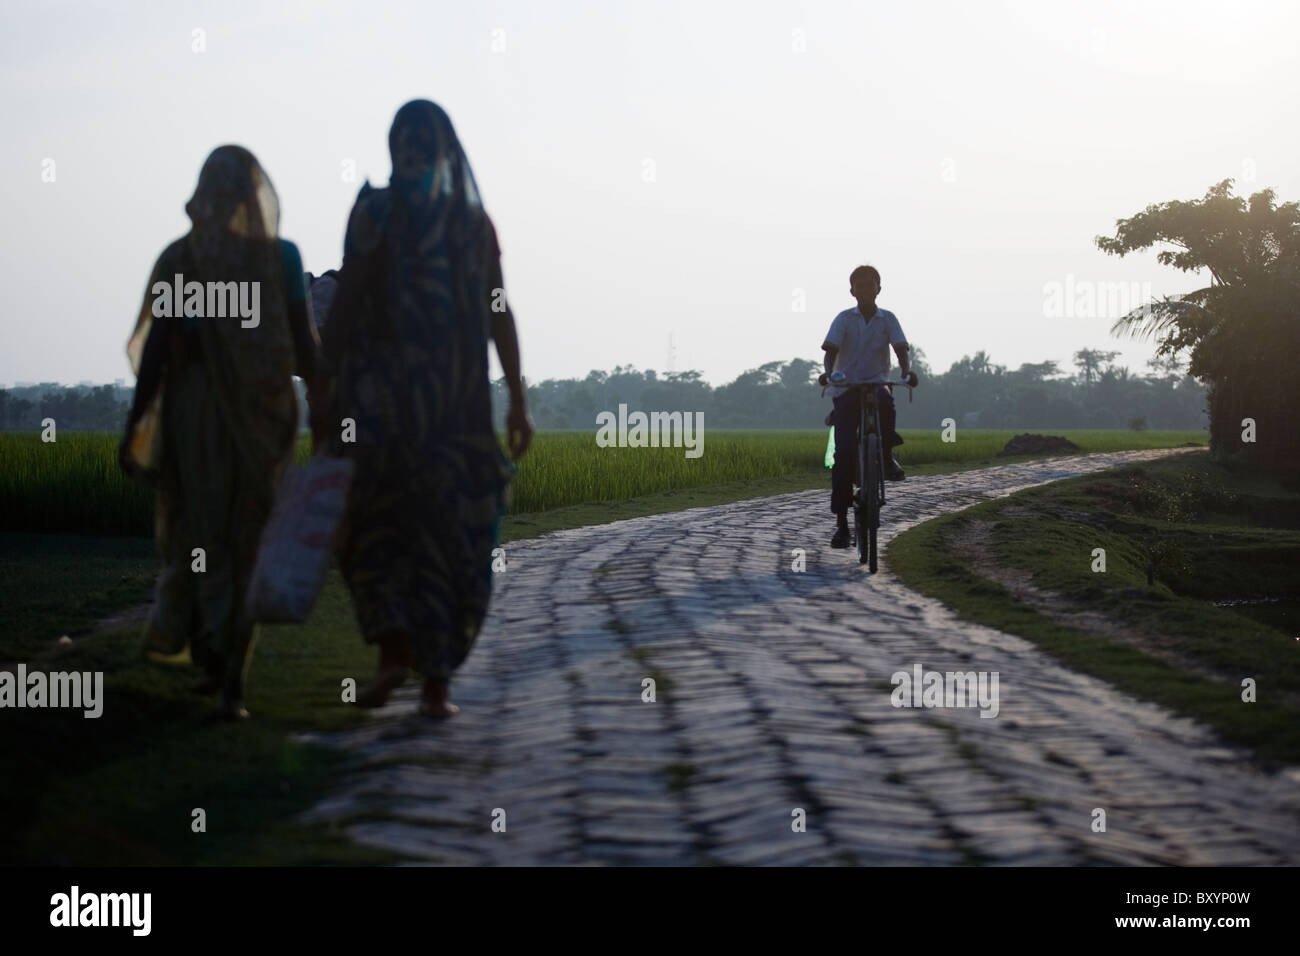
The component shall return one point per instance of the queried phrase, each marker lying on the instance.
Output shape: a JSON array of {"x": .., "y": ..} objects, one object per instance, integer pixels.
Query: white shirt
[{"x": 863, "y": 346}]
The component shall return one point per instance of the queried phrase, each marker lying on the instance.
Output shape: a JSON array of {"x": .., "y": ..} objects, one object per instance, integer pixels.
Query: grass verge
[
  {"x": 121, "y": 789},
  {"x": 1204, "y": 532}
]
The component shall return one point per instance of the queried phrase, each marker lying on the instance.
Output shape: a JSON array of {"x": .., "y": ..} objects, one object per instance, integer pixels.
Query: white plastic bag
[{"x": 298, "y": 540}]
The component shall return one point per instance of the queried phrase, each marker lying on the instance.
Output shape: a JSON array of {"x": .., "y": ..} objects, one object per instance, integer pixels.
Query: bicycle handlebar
[
  {"x": 852, "y": 384},
  {"x": 846, "y": 384}
]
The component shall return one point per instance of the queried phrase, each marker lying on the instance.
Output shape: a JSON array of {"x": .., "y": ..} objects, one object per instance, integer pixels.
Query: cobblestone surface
[{"x": 773, "y": 695}]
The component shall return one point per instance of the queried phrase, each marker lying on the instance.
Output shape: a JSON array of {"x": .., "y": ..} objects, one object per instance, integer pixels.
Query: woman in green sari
[{"x": 215, "y": 414}]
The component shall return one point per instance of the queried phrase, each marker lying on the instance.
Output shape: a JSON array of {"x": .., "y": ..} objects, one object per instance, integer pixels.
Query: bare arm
[
  {"x": 507, "y": 341},
  {"x": 519, "y": 427},
  {"x": 904, "y": 358},
  {"x": 831, "y": 352}
]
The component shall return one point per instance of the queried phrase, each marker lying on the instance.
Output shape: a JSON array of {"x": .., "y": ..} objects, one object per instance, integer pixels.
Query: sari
[
  {"x": 408, "y": 339},
  {"x": 227, "y": 422}
]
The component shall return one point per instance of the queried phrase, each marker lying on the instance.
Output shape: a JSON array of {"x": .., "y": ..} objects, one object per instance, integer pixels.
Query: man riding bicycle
[{"x": 858, "y": 345}]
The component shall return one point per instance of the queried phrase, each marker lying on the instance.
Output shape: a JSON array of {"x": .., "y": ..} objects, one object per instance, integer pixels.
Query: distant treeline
[
  {"x": 90, "y": 408},
  {"x": 974, "y": 392},
  {"x": 74, "y": 408}
]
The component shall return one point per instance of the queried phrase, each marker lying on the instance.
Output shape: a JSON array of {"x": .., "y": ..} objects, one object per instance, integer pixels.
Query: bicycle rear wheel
[{"x": 870, "y": 502}]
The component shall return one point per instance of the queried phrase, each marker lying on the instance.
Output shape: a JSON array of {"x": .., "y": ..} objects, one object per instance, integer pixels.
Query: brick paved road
[{"x": 773, "y": 694}]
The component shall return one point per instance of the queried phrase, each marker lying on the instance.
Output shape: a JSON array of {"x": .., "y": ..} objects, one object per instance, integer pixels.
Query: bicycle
[{"x": 870, "y": 473}]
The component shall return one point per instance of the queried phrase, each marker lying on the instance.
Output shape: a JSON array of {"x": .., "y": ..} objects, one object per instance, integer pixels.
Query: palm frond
[{"x": 1154, "y": 319}]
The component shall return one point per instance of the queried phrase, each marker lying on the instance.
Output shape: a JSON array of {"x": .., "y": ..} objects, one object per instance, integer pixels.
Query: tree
[
  {"x": 782, "y": 394},
  {"x": 1241, "y": 330},
  {"x": 919, "y": 362},
  {"x": 1091, "y": 362},
  {"x": 1167, "y": 368},
  {"x": 800, "y": 373},
  {"x": 1037, "y": 371}
]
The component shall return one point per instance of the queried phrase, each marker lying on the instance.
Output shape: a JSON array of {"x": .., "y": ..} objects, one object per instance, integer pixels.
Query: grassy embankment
[
  {"x": 121, "y": 789},
  {"x": 1206, "y": 532}
]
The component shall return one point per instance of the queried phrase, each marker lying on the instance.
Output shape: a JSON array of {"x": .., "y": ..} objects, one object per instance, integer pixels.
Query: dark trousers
[{"x": 845, "y": 415}]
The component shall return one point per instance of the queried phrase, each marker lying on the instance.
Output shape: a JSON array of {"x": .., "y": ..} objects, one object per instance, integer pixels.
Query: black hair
[{"x": 864, "y": 270}]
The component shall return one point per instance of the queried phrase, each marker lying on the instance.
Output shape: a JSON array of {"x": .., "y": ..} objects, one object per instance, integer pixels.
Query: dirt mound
[{"x": 1028, "y": 444}]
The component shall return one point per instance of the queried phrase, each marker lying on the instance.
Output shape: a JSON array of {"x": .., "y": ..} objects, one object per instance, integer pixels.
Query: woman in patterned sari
[
  {"x": 420, "y": 293},
  {"x": 215, "y": 414}
]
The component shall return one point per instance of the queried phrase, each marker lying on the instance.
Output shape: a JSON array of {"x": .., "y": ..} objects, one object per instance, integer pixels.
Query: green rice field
[{"x": 74, "y": 484}]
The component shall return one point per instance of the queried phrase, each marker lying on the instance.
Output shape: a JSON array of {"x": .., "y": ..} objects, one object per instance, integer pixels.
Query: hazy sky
[{"x": 689, "y": 169}]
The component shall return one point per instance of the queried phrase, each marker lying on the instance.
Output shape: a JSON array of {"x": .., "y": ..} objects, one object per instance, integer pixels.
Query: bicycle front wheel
[
  {"x": 860, "y": 506},
  {"x": 871, "y": 502}
]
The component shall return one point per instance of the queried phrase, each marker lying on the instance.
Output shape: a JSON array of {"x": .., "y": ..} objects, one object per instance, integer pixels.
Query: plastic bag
[{"x": 298, "y": 540}]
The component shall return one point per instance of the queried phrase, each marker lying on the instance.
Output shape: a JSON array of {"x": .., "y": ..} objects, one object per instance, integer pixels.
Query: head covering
[
  {"x": 430, "y": 169},
  {"x": 234, "y": 215},
  {"x": 233, "y": 198},
  {"x": 438, "y": 259},
  {"x": 435, "y": 202}
]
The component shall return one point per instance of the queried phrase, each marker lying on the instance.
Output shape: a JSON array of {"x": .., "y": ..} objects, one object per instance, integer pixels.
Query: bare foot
[
  {"x": 435, "y": 703},
  {"x": 438, "y": 711},
  {"x": 231, "y": 710}
]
